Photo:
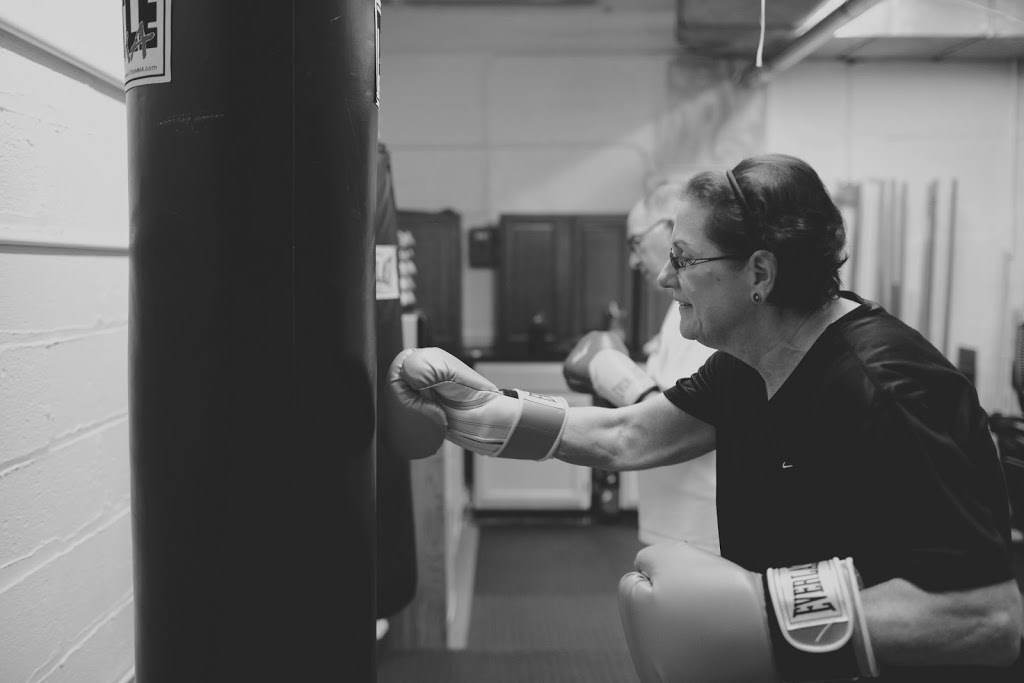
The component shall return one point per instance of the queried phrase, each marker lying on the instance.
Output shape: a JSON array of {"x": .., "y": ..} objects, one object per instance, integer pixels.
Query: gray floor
[{"x": 544, "y": 609}]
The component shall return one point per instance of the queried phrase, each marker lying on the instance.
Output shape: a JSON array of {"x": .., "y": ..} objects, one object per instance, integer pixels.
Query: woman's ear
[{"x": 764, "y": 268}]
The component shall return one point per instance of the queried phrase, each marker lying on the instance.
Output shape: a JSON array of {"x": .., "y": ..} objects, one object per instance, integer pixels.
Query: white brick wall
[{"x": 66, "y": 605}]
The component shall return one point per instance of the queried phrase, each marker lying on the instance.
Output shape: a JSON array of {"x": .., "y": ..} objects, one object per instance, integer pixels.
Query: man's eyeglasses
[
  {"x": 679, "y": 262},
  {"x": 634, "y": 241}
]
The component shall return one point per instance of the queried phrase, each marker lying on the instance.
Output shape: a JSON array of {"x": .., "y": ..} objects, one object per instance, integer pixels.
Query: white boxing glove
[
  {"x": 411, "y": 425},
  {"x": 576, "y": 368},
  {"x": 616, "y": 378},
  {"x": 690, "y": 615},
  {"x": 505, "y": 423},
  {"x": 599, "y": 364}
]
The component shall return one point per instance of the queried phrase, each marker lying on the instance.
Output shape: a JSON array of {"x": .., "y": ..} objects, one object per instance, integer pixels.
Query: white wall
[
  {"x": 488, "y": 114},
  {"x": 505, "y": 134},
  {"x": 547, "y": 111},
  {"x": 65, "y": 528},
  {"x": 917, "y": 122}
]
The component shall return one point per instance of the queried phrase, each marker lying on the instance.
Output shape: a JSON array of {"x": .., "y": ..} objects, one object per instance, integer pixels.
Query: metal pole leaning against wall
[{"x": 252, "y": 139}]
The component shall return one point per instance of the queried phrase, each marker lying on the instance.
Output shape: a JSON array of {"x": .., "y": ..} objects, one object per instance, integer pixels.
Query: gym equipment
[{"x": 252, "y": 405}]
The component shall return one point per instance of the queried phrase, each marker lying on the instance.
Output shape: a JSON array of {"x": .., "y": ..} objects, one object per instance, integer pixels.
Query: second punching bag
[
  {"x": 252, "y": 362},
  {"x": 396, "y": 533}
]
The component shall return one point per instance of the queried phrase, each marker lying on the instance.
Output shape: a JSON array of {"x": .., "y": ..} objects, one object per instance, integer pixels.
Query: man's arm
[
  {"x": 648, "y": 434},
  {"x": 912, "y": 627}
]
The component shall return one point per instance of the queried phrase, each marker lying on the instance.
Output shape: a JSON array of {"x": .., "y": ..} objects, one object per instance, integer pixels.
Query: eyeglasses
[
  {"x": 678, "y": 262},
  {"x": 634, "y": 241}
]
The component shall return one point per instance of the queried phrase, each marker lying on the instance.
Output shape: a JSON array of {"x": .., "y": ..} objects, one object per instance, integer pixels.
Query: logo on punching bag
[
  {"x": 147, "y": 41},
  {"x": 387, "y": 272}
]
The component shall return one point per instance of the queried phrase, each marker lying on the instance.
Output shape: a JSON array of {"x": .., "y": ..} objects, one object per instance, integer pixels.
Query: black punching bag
[
  {"x": 396, "y": 538},
  {"x": 252, "y": 362}
]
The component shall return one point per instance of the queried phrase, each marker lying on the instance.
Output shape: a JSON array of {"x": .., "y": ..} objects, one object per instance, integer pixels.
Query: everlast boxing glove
[
  {"x": 443, "y": 391},
  {"x": 690, "y": 615},
  {"x": 599, "y": 364}
]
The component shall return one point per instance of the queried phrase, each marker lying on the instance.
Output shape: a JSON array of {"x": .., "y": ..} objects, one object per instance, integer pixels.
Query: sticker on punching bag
[
  {"x": 147, "y": 42},
  {"x": 387, "y": 272},
  {"x": 377, "y": 45}
]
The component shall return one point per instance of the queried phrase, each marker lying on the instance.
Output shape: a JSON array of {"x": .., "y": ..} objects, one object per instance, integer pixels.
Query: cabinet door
[
  {"x": 568, "y": 269},
  {"x": 535, "y": 279},
  {"x": 438, "y": 259},
  {"x": 601, "y": 274}
]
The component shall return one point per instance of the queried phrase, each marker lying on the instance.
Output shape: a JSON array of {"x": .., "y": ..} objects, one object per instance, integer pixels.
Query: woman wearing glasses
[{"x": 863, "y": 519}]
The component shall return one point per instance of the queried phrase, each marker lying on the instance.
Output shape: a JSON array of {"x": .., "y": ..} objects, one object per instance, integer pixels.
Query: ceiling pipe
[{"x": 808, "y": 41}]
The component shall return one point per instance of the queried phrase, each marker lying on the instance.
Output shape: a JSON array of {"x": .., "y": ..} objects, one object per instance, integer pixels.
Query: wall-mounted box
[{"x": 483, "y": 247}]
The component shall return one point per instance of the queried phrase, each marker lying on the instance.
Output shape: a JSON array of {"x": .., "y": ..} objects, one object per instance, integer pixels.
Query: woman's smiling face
[{"x": 712, "y": 296}]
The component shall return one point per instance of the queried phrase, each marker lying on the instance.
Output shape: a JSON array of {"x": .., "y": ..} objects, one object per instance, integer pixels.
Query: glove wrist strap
[
  {"x": 816, "y": 623},
  {"x": 538, "y": 428}
]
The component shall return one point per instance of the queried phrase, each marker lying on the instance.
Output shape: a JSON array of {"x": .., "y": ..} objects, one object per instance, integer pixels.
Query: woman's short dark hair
[{"x": 778, "y": 204}]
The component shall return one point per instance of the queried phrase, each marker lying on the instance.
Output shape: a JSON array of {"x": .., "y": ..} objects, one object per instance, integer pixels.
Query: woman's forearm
[
  {"x": 594, "y": 437},
  {"x": 649, "y": 434},
  {"x": 912, "y": 627}
]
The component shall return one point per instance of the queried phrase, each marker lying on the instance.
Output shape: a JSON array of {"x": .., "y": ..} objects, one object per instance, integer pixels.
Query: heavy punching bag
[
  {"x": 396, "y": 537},
  {"x": 252, "y": 155}
]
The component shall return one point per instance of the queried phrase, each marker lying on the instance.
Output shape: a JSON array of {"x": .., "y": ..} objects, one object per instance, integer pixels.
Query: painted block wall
[
  {"x": 487, "y": 122},
  {"x": 918, "y": 121},
  {"x": 65, "y": 524}
]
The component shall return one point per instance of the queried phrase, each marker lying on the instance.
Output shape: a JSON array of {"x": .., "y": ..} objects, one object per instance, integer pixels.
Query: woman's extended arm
[
  {"x": 649, "y": 434},
  {"x": 433, "y": 396},
  {"x": 912, "y": 627}
]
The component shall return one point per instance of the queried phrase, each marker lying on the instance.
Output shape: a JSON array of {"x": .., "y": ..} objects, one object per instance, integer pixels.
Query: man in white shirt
[{"x": 675, "y": 502}]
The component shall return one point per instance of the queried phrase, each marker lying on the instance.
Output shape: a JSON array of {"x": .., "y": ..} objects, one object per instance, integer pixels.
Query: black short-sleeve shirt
[{"x": 874, "y": 448}]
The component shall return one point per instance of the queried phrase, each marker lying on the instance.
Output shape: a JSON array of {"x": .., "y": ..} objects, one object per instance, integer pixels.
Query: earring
[{"x": 756, "y": 297}]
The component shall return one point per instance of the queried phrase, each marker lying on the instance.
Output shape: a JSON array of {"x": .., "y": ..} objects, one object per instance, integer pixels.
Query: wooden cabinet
[
  {"x": 559, "y": 275},
  {"x": 438, "y": 260}
]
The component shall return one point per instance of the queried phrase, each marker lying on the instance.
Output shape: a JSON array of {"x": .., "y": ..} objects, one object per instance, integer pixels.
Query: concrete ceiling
[
  {"x": 890, "y": 29},
  {"x": 885, "y": 29}
]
